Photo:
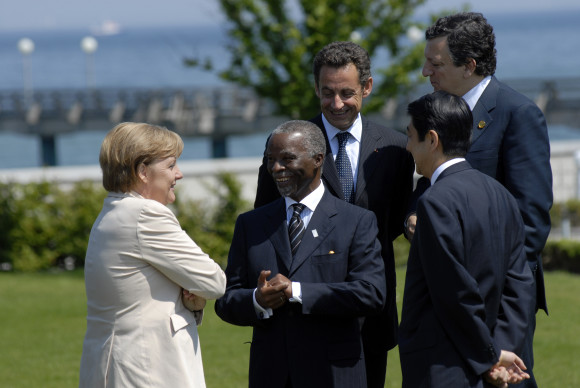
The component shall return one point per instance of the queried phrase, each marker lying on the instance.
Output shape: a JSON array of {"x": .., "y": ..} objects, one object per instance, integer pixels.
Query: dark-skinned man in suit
[{"x": 302, "y": 270}]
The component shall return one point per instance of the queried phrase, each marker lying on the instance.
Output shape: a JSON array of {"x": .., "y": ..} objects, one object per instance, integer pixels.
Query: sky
[{"x": 22, "y": 15}]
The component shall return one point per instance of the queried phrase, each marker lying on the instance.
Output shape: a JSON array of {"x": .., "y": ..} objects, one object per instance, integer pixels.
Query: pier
[{"x": 216, "y": 113}]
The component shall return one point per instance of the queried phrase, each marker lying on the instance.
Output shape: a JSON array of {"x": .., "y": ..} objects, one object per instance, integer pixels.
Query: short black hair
[{"x": 448, "y": 115}]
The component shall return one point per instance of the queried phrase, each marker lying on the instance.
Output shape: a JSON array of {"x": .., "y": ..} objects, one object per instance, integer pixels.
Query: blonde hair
[{"x": 128, "y": 145}]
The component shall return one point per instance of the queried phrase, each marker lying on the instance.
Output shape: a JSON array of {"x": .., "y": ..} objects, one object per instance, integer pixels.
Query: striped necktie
[
  {"x": 296, "y": 227},
  {"x": 344, "y": 168}
]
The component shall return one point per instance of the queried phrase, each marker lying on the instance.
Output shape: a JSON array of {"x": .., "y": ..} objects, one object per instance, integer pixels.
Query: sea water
[{"x": 529, "y": 46}]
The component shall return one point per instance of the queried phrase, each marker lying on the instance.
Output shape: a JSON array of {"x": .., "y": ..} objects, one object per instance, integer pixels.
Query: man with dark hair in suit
[
  {"x": 468, "y": 290},
  {"x": 326, "y": 267},
  {"x": 366, "y": 164},
  {"x": 509, "y": 139}
]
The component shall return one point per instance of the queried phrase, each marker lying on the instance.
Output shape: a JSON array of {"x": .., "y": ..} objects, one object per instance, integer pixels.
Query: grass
[{"x": 43, "y": 324}]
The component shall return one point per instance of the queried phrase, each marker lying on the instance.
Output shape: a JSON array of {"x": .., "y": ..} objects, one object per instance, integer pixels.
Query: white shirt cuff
[
  {"x": 262, "y": 313},
  {"x": 296, "y": 293}
]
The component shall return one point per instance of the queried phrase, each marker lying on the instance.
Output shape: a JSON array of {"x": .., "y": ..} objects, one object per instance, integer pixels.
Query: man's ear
[
  {"x": 319, "y": 159},
  {"x": 470, "y": 68},
  {"x": 316, "y": 90},
  {"x": 368, "y": 88},
  {"x": 433, "y": 139}
]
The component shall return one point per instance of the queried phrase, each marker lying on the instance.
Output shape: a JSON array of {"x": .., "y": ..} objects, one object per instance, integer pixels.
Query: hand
[
  {"x": 272, "y": 294},
  {"x": 192, "y": 302},
  {"x": 411, "y": 225},
  {"x": 281, "y": 279},
  {"x": 508, "y": 370}
]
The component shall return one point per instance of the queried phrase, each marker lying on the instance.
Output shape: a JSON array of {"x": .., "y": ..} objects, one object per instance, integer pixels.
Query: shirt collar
[
  {"x": 311, "y": 200},
  {"x": 443, "y": 167},
  {"x": 355, "y": 129},
  {"x": 473, "y": 95}
]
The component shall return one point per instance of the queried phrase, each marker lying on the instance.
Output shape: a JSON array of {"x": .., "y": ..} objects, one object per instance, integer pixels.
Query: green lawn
[{"x": 43, "y": 323}]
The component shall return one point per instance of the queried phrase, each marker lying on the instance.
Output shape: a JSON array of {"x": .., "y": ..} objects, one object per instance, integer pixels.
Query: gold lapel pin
[
  {"x": 331, "y": 252},
  {"x": 481, "y": 124}
]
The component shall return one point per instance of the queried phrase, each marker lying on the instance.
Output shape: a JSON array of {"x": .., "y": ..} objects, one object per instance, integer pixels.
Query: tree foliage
[{"x": 273, "y": 42}]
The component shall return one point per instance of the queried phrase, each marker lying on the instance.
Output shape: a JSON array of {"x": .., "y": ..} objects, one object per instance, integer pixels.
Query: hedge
[
  {"x": 562, "y": 255},
  {"x": 43, "y": 226}
]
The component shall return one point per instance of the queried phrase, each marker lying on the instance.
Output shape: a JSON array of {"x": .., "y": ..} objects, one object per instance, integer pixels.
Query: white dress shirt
[
  {"x": 310, "y": 201},
  {"x": 352, "y": 145},
  {"x": 443, "y": 167},
  {"x": 473, "y": 95}
]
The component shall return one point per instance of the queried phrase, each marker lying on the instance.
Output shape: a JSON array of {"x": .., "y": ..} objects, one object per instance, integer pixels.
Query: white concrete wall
[
  {"x": 565, "y": 170},
  {"x": 199, "y": 176}
]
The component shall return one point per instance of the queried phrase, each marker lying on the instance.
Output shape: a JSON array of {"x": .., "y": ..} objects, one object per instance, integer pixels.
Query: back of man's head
[{"x": 446, "y": 114}]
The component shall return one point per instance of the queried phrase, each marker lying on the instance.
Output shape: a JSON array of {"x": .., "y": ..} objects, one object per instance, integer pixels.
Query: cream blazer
[{"x": 139, "y": 333}]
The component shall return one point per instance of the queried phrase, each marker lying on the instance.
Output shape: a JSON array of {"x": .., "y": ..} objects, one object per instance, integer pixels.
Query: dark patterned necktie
[
  {"x": 343, "y": 167},
  {"x": 296, "y": 227}
]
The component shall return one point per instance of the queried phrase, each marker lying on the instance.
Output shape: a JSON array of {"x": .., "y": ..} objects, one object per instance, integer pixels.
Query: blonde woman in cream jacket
[{"x": 146, "y": 280}]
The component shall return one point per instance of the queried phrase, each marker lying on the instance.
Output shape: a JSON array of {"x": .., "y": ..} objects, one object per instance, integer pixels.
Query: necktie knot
[
  {"x": 342, "y": 138},
  {"x": 297, "y": 209}
]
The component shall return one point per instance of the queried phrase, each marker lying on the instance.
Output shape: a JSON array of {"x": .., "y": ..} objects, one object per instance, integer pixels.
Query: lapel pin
[
  {"x": 481, "y": 124},
  {"x": 331, "y": 252},
  {"x": 376, "y": 150},
  {"x": 314, "y": 233}
]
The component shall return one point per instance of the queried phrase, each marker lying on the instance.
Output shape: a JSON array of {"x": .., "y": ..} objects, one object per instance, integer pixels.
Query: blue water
[{"x": 529, "y": 45}]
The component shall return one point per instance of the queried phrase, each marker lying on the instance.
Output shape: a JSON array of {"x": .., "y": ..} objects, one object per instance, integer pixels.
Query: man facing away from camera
[{"x": 468, "y": 289}]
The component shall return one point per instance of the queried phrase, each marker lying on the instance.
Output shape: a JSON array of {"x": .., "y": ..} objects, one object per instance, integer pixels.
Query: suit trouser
[
  {"x": 379, "y": 334},
  {"x": 376, "y": 368},
  {"x": 527, "y": 355}
]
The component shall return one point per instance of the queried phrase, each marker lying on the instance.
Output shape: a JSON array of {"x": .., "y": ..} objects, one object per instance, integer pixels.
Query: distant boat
[{"x": 108, "y": 27}]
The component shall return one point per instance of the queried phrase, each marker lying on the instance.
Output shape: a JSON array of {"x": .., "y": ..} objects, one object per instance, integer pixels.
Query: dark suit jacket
[
  {"x": 384, "y": 186},
  {"x": 316, "y": 343},
  {"x": 468, "y": 290},
  {"x": 512, "y": 146}
]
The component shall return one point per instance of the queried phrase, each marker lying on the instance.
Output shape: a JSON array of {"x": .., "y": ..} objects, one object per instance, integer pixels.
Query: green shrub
[
  {"x": 41, "y": 224},
  {"x": 569, "y": 209},
  {"x": 213, "y": 229},
  {"x": 562, "y": 255},
  {"x": 8, "y": 221}
]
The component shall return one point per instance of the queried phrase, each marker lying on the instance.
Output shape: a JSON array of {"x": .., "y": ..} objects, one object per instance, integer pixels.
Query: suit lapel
[
  {"x": 367, "y": 157},
  {"x": 485, "y": 104},
  {"x": 329, "y": 172},
  {"x": 279, "y": 237},
  {"x": 320, "y": 226}
]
